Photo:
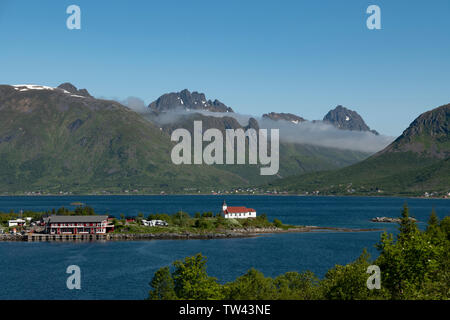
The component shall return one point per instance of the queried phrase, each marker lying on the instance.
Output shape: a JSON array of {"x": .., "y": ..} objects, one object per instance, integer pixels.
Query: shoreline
[
  {"x": 220, "y": 195},
  {"x": 234, "y": 234}
]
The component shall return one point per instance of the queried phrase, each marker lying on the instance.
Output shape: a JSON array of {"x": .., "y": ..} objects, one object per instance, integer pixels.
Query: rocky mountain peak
[
  {"x": 72, "y": 89},
  {"x": 187, "y": 101},
  {"x": 428, "y": 135},
  {"x": 346, "y": 119}
]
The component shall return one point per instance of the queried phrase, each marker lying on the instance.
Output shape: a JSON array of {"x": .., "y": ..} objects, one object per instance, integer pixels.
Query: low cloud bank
[
  {"x": 135, "y": 104},
  {"x": 313, "y": 133},
  {"x": 326, "y": 135}
]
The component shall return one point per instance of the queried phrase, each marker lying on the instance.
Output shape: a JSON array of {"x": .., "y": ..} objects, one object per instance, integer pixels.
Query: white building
[
  {"x": 237, "y": 212},
  {"x": 17, "y": 222}
]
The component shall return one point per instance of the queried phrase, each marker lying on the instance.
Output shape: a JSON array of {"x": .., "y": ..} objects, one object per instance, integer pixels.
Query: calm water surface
[{"x": 122, "y": 270}]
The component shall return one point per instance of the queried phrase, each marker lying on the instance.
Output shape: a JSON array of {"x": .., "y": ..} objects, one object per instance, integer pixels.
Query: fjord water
[{"x": 122, "y": 270}]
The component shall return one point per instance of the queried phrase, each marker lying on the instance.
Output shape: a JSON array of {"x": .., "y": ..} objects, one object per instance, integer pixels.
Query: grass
[{"x": 200, "y": 225}]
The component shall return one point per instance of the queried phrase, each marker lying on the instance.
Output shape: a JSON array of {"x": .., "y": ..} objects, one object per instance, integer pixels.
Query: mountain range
[{"x": 63, "y": 139}]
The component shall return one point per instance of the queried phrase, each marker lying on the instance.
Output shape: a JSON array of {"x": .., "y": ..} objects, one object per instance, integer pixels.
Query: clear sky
[{"x": 303, "y": 57}]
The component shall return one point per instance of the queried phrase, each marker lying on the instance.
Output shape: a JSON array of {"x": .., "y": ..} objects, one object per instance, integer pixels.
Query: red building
[
  {"x": 237, "y": 212},
  {"x": 76, "y": 224}
]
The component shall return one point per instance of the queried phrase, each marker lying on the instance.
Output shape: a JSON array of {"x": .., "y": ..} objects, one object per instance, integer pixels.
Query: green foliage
[
  {"x": 207, "y": 215},
  {"x": 277, "y": 223},
  {"x": 251, "y": 286},
  {"x": 84, "y": 211},
  {"x": 60, "y": 150},
  {"x": 444, "y": 225},
  {"x": 220, "y": 221},
  {"x": 192, "y": 282},
  {"x": 163, "y": 286},
  {"x": 408, "y": 227},
  {"x": 413, "y": 266},
  {"x": 203, "y": 224},
  {"x": 380, "y": 174},
  {"x": 349, "y": 282},
  {"x": 181, "y": 219},
  {"x": 298, "y": 286}
]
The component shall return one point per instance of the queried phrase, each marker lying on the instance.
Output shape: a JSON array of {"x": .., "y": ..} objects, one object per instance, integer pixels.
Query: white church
[{"x": 237, "y": 212}]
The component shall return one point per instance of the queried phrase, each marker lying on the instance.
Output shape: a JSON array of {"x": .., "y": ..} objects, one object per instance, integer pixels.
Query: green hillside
[
  {"x": 417, "y": 162},
  {"x": 50, "y": 141},
  {"x": 294, "y": 158},
  {"x": 61, "y": 140}
]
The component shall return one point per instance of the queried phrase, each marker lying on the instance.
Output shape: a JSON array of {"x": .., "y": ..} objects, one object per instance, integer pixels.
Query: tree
[
  {"x": 297, "y": 286},
  {"x": 220, "y": 221},
  {"x": 349, "y": 282},
  {"x": 181, "y": 219},
  {"x": 163, "y": 286},
  {"x": 251, "y": 286},
  {"x": 192, "y": 282},
  {"x": 433, "y": 229},
  {"x": 444, "y": 225},
  {"x": 433, "y": 220},
  {"x": 408, "y": 226},
  {"x": 203, "y": 224},
  {"x": 277, "y": 223},
  {"x": 412, "y": 262}
]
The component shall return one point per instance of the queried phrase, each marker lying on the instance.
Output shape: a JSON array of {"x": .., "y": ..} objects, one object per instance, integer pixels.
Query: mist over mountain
[
  {"x": 283, "y": 116},
  {"x": 63, "y": 139},
  {"x": 327, "y": 135},
  {"x": 53, "y": 140},
  {"x": 417, "y": 162},
  {"x": 293, "y": 128}
]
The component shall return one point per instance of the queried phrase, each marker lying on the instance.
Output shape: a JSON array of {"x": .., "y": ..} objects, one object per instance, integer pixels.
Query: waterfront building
[
  {"x": 76, "y": 225},
  {"x": 237, "y": 212}
]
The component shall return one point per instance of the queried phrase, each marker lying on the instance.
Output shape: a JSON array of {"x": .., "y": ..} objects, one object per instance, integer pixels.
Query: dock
[{"x": 37, "y": 237}]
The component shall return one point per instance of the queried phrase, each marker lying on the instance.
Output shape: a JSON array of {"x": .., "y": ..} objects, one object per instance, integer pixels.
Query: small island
[
  {"x": 83, "y": 224},
  {"x": 390, "y": 220}
]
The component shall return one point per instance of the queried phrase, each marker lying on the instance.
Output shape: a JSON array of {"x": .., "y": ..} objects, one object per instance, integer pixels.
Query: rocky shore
[{"x": 236, "y": 233}]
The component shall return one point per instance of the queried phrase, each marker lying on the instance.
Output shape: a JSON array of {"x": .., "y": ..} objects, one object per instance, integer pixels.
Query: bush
[
  {"x": 413, "y": 266},
  {"x": 277, "y": 223},
  {"x": 203, "y": 224}
]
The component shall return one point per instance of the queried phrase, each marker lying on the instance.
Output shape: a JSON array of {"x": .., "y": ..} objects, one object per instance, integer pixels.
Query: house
[
  {"x": 17, "y": 223},
  {"x": 76, "y": 225},
  {"x": 237, "y": 212}
]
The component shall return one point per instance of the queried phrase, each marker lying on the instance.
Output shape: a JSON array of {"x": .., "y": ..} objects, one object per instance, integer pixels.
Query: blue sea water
[{"x": 122, "y": 270}]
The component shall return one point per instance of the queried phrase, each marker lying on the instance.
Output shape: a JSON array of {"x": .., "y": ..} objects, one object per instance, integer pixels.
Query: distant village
[{"x": 344, "y": 190}]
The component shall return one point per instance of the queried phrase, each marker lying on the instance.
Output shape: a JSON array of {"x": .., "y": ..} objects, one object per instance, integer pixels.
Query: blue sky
[{"x": 303, "y": 57}]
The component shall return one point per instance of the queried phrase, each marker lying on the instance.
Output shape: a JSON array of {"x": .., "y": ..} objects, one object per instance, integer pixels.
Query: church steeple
[{"x": 224, "y": 206}]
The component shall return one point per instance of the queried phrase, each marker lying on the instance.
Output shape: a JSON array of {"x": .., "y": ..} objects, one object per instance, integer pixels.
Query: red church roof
[{"x": 239, "y": 210}]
